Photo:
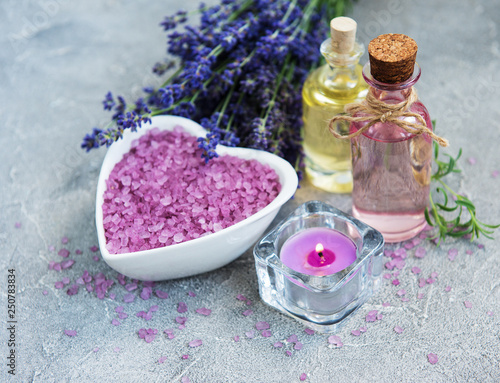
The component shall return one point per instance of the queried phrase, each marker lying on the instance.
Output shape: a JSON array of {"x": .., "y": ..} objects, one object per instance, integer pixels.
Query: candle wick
[{"x": 321, "y": 257}]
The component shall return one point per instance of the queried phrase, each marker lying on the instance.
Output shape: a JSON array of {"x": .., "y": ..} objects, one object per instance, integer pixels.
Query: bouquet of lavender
[{"x": 240, "y": 75}]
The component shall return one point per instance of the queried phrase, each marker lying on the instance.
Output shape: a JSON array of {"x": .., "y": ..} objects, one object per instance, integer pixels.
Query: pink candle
[{"x": 318, "y": 251}]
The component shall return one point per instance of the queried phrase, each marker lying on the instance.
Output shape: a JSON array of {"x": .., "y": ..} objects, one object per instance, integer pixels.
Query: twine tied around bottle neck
[{"x": 375, "y": 111}]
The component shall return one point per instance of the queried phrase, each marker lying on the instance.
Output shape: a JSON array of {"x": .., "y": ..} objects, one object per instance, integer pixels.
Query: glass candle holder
[{"x": 322, "y": 302}]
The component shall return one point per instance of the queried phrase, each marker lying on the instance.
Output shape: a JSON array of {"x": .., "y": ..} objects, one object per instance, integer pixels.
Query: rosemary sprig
[{"x": 453, "y": 227}]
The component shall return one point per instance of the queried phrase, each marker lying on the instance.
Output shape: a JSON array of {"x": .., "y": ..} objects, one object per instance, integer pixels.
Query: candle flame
[{"x": 319, "y": 248}]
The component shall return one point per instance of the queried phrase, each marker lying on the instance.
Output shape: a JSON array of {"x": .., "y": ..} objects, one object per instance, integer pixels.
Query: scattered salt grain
[
  {"x": 395, "y": 282},
  {"x": 401, "y": 292},
  {"x": 420, "y": 252},
  {"x": 247, "y": 312},
  {"x": 469, "y": 252},
  {"x": 204, "y": 311},
  {"x": 78, "y": 251},
  {"x": 241, "y": 297},
  {"x": 452, "y": 253},
  {"x": 66, "y": 264},
  {"x": 387, "y": 276},
  {"x": 335, "y": 340},
  {"x": 472, "y": 160},
  {"x": 115, "y": 322},
  {"x": 398, "y": 329},
  {"x": 96, "y": 349},
  {"x": 191, "y": 294},
  {"x": 117, "y": 349},
  {"x": 292, "y": 338},
  {"x": 447, "y": 288},
  {"x": 278, "y": 345},
  {"x": 356, "y": 332},
  {"x": 250, "y": 334},
  {"x": 236, "y": 338},
  {"x": 416, "y": 270},
  {"x": 303, "y": 376},
  {"x": 363, "y": 329},
  {"x": 262, "y": 325},
  {"x": 128, "y": 298},
  {"x": 162, "y": 359},
  {"x": 161, "y": 294},
  {"x": 17, "y": 225},
  {"x": 298, "y": 346},
  {"x": 63, "y": 253},
  {"x": 432, "y": 358},
  {"x": 288, "y": 353},
  {"x": 185, "y": 356},
  {"x": 185, "y": 379},
  {"x": 309, "y": 331},
  {"x": 70, "y": 332},
  {"x": 45, "y": 292},
  {"x": 94, "y": 248},
  {"x": 420, "y": 296},
  {"x": 495, "y": 173},
  {"x": 468, "y": 304},
  {"x": 386, "y": 304},
  {"x": 195, "y": 343},
  {"x": 182, "y": 307},
  {"x": 371, "y": 316},
  {"x": 266, "y": 333},
  {"x": 490, "y": 313}
]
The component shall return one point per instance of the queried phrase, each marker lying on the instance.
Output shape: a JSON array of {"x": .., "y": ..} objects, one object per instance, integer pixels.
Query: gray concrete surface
[{"x": 57, "y": 60}]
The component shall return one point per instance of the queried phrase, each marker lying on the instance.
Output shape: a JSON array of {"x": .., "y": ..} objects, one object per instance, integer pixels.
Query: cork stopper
[
  {"x": 392, "y": 57},
  {"x": 343, "y": 33}
]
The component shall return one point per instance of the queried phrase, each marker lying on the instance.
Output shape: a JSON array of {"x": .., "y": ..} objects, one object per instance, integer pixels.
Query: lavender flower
[{"x": 240, "y": 75}]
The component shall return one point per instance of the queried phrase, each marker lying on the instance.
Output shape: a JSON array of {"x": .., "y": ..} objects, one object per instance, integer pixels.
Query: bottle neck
[
  {"x": 341, "y": 74},
  {"x": 391, "y": 93},
  {"x": 340, "y": 60}
]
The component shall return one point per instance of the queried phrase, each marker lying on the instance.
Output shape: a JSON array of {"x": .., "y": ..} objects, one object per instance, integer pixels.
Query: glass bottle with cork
[
  {"x": 391, "y": 142},
  {"x": 325, "y": 93}
]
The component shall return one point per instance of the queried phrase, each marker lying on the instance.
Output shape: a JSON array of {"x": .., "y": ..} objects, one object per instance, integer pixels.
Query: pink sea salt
[
  {"x": 144, "y": 209},
  {"x": 432, "y": 358}
]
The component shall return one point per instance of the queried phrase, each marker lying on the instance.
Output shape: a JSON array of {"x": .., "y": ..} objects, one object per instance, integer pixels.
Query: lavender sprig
[{"x": 240, "y": 75}]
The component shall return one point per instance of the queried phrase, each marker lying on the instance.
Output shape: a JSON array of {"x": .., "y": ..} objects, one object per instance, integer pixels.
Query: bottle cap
[
  {"x": 392, "y": 57},
  {"x": 343, "y": 33}
]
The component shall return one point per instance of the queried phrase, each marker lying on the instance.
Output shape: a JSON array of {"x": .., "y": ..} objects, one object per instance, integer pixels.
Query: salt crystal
[
  {"x": 452, "y": 253},
  {"x": 335, "y": 340},
  {"x": 247, "y": 312},
  {"x": 416, "y": 270},
  {"x": 292, "y": 338},
  {"x": 262, "y": 325},
  {"x": 420, "y": 252},
  {"x": 182, "y": 307},
  {"x": 468, "y": 304},
  {"x": 298, "y": 346},
  {"x": 266, "y": 333},
  {"x": 447, "y": 288},
  {"x": 303, "y": 376},
  {"x": 278, "y": 345},
  {"x": 398, "y": 329},
  {"x": 195, "y": 343},
  {"x": 161, "y": 294},
  {"x": 204, "y": 311},
  {"x": 162, "y": 359},
  {"x": 70, "y": 332},
  {"x": 64, "y": 253},
  {"x": 433, "y": 359},
  {"x": 309, "y": 331},
  {"x": 356, "y": 332}
]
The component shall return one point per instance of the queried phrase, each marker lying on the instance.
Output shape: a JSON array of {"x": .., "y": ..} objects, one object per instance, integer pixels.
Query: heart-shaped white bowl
[{"x": 205, "y": 253}]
